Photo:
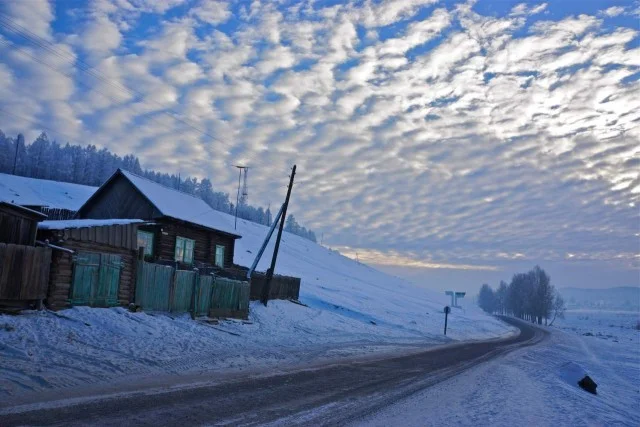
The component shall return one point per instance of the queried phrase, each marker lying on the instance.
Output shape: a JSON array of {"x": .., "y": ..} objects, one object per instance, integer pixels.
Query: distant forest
[{"x": 89, "y": 165}]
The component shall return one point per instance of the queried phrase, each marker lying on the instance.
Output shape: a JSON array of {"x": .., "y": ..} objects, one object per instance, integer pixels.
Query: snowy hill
[
  {"x": 41, "y": 192},
  {"x": 344, "y": 288}
]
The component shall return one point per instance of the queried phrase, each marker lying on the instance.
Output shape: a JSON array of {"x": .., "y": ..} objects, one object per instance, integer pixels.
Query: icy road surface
[{"x": 332, "y": 394}]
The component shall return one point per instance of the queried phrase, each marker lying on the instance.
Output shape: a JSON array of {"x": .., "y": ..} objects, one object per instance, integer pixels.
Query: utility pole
[
  {"x": 240, "y": 169},
  {"x": 15, "y": 158},
  {"x": 267, "y": 284},
  {"x": 447, "y": 310}
]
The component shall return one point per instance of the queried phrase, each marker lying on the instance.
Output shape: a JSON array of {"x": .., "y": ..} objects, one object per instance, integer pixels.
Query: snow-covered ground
[
  {"x": 538, "y": 385},
  {"x": 353, "y": 310}
]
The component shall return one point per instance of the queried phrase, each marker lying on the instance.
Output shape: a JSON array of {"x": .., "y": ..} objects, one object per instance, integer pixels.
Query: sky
[{"x": 451, "y": 143}]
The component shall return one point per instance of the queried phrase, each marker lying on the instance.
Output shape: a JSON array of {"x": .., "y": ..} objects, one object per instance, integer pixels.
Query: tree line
[
  {"x": 88, "y": 165},
  {"x": 529, "y": 296}
]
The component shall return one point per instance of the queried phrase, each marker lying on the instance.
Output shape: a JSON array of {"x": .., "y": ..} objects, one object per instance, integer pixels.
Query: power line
[
  {"x": 90, "y": 70},
  {"x": 40, "y": 42},
  {"x": 36, "y": 59}
]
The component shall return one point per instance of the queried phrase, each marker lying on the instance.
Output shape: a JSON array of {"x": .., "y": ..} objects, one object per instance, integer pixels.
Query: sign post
[{"x": 447, "y": 310}]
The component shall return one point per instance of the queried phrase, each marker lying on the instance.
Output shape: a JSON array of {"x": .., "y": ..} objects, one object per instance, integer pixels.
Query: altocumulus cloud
[{"x": 427, "y": 134}]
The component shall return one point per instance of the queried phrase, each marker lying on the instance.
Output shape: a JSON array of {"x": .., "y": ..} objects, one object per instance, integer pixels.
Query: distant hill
[{"x": 621, "y": 298}]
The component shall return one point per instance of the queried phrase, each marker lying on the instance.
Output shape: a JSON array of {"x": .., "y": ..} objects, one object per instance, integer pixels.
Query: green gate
[
  {"x": 153, "y": 286},
  {"x": 96, "y": 278}
]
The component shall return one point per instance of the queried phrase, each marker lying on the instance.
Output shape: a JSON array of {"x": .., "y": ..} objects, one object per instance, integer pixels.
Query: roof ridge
[{"x": 162, "y": 185}]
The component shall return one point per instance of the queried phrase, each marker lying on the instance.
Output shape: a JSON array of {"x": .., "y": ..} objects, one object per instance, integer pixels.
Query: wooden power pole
[{"x": 267, "y": 284}]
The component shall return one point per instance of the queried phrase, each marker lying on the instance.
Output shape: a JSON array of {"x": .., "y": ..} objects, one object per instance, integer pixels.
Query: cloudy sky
[{"x": 449, "y": 142}]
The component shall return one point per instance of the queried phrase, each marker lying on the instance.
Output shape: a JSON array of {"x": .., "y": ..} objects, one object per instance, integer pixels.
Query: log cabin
[{"x": 181, "y": 229}]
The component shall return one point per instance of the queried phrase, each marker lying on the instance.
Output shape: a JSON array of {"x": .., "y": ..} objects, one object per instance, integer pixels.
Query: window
[
  {"x": 184, "y": 250},
  {"x": 145, "y": 239},
  {"x": 219, "y": 256}
]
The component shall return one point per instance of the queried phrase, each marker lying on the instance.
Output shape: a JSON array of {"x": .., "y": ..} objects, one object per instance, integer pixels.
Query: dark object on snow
[
  {"x": 135, "y": 308},
  {"x": 588, "y": 384}
]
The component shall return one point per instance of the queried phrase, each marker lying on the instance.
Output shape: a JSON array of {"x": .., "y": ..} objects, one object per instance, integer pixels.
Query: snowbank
[{"x": 538, "y": 385}]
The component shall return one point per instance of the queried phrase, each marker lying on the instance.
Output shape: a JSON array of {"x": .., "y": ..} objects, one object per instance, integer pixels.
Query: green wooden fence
[
  {"x": 203, "y": 295},
  {"x": 162, "y": 288},
  {"x": 183, "y": 290},
  {"x": 230, "y": 298},
  {"x": 153, "y": 286}
]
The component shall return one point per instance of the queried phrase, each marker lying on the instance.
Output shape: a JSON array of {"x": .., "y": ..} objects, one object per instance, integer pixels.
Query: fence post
[
  {"x": 194, "y": 295},
  {"x": 172, "y": 289}
]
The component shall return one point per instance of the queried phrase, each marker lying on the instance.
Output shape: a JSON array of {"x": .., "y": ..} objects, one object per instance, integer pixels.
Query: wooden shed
[
  {"x": 93, "y": 262},
  {"x": 18, "y": 224},
  {"x": 24, "y": 268},
  {"x": 185, "y": 229}
]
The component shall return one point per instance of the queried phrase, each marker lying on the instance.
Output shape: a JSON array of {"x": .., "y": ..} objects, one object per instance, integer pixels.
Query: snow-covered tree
[{"x": 89, "y": 165}]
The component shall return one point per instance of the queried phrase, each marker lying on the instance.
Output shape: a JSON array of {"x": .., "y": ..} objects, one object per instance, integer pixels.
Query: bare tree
[
  {"x": 558, "y": 308},
  {"x": 501, "y": 297},
  {"x": 486, "y": 299}
]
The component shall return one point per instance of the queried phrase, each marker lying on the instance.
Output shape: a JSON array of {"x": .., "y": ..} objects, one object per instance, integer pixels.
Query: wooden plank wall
[
  {"x": 120, "y": 236},
  {"x": 17, "y": 229},
  {"x": 24, "y": 272}
]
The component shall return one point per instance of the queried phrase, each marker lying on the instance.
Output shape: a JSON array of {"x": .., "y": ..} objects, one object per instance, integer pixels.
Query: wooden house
[
  {"x": 18, "y": 225},
  {"x": 93, "y": 262},
  {"x": 185, "y": 229}
]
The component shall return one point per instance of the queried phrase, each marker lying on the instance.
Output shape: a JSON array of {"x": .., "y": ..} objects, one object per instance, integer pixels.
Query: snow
[
  {"x": 183, "y": 206},
  {"x": 353, "y": 311},
  {"x": 538, "y": 385},
  {"x": 80, "y": 223},
  {"x": 40, "y": 192}
]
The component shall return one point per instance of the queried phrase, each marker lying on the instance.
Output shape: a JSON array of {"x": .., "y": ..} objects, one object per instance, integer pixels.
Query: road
[{"x": 333, "y": 395}]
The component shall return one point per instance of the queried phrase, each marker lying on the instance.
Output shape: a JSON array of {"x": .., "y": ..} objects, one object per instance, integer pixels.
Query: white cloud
[
  {"x": 34, "y": 15},
  {"x": 522, "y": 9},
  {"x": 184, "y": 73},
  {"x": 100, "y": 36},
  {"x": 212, "y": 12},
  {"x": 613, "y": 11}
]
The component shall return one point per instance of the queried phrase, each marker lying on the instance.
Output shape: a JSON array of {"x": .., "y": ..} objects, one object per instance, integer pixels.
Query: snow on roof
[
  {"x": 24, "y": 191},
  {"x": 80, "y": 223},
  {"x": 182, "y": 206}
]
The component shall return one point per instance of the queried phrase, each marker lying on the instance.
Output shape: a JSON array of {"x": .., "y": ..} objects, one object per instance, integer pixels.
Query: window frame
[
  {"x": 148, "y": 250},
  {"x": 215, "y": 257},
  {"x": 180, "y": 250}
]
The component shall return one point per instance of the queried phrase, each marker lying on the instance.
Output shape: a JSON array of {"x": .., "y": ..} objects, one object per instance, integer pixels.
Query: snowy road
[{"x": 334, "y": 394}]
